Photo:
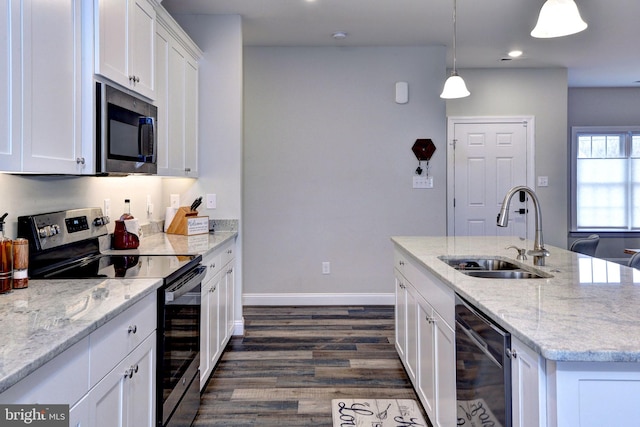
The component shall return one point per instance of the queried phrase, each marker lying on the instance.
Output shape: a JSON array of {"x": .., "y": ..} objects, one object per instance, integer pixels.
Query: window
[{"x": 605, "y": 179}]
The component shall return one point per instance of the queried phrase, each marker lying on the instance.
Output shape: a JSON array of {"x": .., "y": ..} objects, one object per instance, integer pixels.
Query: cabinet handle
[
  {"x": 132, "y": 370},
  {"x": 132, "y": 329},
  {"x": 511, "y": 353}
]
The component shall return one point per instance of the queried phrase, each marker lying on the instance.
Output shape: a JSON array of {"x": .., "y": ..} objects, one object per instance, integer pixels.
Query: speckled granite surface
[
  {"x": 42, "y": 321},
  {"x": 588, "y": 311}
]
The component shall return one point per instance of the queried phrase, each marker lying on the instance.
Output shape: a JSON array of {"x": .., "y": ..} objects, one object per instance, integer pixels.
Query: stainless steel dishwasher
[{"x": 483, "y": 369}]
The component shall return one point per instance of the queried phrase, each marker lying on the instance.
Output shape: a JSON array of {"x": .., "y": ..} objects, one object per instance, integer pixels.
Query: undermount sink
[{"x": 492, "y": 268}]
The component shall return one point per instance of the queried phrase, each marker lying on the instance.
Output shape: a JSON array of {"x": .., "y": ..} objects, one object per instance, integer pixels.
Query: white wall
[
  {"x": 541, "y": 93},
  {"x": 328, "y": 164}
]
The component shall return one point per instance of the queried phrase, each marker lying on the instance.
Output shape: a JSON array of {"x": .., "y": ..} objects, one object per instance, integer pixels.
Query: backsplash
[{"x": 223, "y": 225}]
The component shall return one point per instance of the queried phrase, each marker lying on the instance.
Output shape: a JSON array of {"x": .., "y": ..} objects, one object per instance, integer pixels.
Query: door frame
[{"x": 528, "y": 121}]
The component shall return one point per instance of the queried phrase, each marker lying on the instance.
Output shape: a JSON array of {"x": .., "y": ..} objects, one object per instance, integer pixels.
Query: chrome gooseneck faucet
[{"x": 538, "y": 252}]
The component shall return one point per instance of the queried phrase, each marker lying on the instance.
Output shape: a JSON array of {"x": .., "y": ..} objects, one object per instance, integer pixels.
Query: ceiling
[{"x": 606, "y": 54}]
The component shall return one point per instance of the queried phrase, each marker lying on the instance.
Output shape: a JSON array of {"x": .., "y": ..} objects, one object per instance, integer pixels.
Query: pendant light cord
[{"x": 454, "y": 35}]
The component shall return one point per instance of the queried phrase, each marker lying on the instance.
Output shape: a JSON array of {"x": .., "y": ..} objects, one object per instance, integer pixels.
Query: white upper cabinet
[
  {"x": 125, "y": 44},
  {"x": 40, "y": 86},
  {"x": 9, "y": 146},
  {"x": 177, "y": 99}
]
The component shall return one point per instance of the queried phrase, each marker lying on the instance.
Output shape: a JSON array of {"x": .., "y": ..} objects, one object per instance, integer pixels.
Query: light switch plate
[
  {"x": 175, "y": 201},
  {"x": 211, "y": 201},
  {"x": 420, "y": 181}
]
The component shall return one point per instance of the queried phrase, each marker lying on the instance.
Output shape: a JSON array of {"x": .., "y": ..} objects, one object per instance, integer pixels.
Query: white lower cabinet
[
  {"x": 209, "y": 327},
  {"x": 108, "y": 378},
  {"x": 436, "y": 373},
  {"x": 527, "y": 380},
  {"x": 425, "y": 339},
  {"x": 217, "y": 315},
  {"x": 126, "y": 395}
]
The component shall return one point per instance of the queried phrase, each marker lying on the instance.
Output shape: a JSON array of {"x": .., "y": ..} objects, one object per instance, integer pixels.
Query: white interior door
[{"x": 487, "y": 157}]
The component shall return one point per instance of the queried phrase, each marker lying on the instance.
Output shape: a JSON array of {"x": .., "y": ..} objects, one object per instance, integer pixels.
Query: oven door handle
[{"x": 185, "y": 284}]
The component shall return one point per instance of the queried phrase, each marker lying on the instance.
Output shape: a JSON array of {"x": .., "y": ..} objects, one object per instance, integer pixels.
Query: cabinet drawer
[
  {"x": 440, "y": 296},
  {"x": 63, "y": 380},
  {"x": 399, "y": 262},
  {"x": 228, "y": 252},
  {"x": 214, "y": 264},
  {"x": 113, "y": 341}
]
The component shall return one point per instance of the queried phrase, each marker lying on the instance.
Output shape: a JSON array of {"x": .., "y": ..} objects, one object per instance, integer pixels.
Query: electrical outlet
[
  {"x": 211, "y": 201},
  {"x": 107, "y": 207},
  {"x": 175, "y": 201},
  {"x": 326, "y": 267},
  {"x": 543, "y": 181}
]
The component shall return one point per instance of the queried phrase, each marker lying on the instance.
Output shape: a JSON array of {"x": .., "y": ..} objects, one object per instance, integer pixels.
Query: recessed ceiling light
[
  {"x": 515, "y": 53},
  {"x": 339, "y": 35}
]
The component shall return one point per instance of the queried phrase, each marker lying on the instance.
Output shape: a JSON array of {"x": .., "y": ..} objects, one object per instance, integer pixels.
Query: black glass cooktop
[{"x": 125, "y": 266}]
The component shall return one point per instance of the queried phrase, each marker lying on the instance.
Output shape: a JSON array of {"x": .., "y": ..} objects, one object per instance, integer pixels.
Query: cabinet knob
[
  {"x": 187, "y": 170},
  {"x": 132, "y": 329},
  {"x": 511, "y": 353},
  {"x": 212, "y": 265},
  {"x": 80, "y": 160},
  {"x": 431, "y": 320}
]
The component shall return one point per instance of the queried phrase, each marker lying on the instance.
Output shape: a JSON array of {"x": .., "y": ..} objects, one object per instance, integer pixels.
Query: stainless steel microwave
[{"x": 126, "y": 134}]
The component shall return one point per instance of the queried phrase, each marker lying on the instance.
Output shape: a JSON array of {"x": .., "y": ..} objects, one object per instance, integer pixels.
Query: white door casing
[{"x": 486, "y": 156}]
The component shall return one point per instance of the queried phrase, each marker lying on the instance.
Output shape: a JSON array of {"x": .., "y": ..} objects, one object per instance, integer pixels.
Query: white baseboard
[
  {"x": 318, "y": 299},
  {"x": 238, "y": 327}
]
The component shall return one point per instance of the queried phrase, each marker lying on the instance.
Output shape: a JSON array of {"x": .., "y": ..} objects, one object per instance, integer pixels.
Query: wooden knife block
[{"x": 180, "y": 222}]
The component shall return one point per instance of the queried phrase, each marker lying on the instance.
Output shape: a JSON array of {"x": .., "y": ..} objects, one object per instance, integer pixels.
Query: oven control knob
[
  {"x": 101, "y": 220},
  {"x": 55, "y": 229},
  {"x": 45, "y": 231}
]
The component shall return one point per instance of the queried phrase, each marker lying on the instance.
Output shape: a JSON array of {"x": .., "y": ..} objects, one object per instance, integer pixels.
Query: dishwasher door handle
[{"x": 479, "y": 342}]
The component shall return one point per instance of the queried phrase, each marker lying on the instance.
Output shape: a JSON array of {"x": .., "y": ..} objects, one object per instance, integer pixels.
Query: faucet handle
[{"x": 521, "y": 252}]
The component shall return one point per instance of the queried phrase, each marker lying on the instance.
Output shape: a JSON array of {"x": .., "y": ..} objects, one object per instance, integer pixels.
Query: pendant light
[
  {"x": 558, "y": 18},
  {"x": 454, "y": 87}
]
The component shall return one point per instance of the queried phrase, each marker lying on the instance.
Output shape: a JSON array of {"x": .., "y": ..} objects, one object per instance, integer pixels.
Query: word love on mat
[{"x": 376, "y": 413}]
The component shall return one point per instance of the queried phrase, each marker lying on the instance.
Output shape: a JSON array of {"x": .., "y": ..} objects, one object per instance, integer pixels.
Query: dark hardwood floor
[{"x": 293, "y": 360}]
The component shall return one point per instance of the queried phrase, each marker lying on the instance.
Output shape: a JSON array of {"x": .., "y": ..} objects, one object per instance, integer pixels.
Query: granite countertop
[
  {"x": 587, "y": 312},
  {"x": 49, "y": 316}
]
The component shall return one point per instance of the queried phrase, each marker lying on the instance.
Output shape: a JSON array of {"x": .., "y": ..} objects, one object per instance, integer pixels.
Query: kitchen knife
[{"x": 197, "y": 202}]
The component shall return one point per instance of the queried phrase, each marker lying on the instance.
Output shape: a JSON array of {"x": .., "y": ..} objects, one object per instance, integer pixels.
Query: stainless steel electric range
[{"x": 66, "y": 245}]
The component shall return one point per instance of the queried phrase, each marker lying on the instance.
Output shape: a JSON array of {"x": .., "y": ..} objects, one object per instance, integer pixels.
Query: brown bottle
[
  {"x": 20, "y": 263},
  {"x": 6, "y": 260}
]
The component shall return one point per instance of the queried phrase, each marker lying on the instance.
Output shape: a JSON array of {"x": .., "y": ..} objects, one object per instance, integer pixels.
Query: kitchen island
[{"x": 582, "y": 323}]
